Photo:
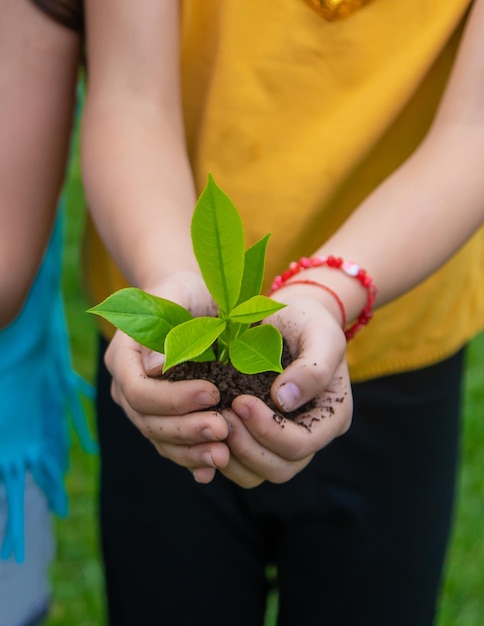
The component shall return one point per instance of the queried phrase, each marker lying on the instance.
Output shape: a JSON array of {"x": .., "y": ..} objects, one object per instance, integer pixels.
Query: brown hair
[{"x": 69, "y": 13}]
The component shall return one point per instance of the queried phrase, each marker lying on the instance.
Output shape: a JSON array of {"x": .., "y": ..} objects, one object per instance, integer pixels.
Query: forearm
[
  {"x": 139, "y": 187},
  {"x": 416, "y": 220},
  {"x": 137, "y": 177},
  {"x": 422, "y": 214}
]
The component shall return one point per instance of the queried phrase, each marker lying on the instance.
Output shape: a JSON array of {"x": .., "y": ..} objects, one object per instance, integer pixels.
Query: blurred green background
[{"x": 76, "y": 573}]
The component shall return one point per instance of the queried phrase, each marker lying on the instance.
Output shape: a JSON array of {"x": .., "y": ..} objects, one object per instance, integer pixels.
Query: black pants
[{"x": 358, "y": 538}]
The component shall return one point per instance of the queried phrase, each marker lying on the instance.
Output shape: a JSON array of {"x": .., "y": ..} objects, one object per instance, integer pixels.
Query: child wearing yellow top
[{"x": 324, "y": 132}]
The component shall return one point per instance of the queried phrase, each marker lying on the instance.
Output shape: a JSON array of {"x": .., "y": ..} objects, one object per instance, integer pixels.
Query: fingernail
[
  {"x": 207, "y": 434},
  {"x": 243, "y": 411},
  {"x": 206, "y": 399},
  {"x": 153, "y": 362},
  {"x": 207, "y": 459},
  {"x": 196, "y": 476},
  {"x": 288, "y": 395}
]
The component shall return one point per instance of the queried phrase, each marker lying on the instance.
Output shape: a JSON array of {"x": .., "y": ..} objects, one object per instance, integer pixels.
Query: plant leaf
[
  {"x": 145, "y": 318},
  {"x": 255, "y": 310},
  {"x": 208, "y": 355},
  {"x": 218, "y": 242},
  {"x": 259, "y": 349},
  {"x": 191, "y": 339},
  {"x": 255, "y": 258}
]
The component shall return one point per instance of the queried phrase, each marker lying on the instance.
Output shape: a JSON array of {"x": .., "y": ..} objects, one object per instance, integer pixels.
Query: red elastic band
[
  {"x": 321, "y": 286},
  {"x": 350, "y": 269}
]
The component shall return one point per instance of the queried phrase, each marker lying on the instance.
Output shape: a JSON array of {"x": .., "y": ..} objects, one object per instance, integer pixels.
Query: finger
[
  {"x": 207, "y": 455},
  {"x": 302, "y": 437},
  {"x": 240, "y": 475},
  {"x": 153, "y": 395},
  {"x": 161, "y": 397},
  {"x": 190, "y": 429},
  {"x": 152, "y": 362},
  {"x": 318, "y": 355},
  {"x": 251, "y": 463},
  {"x": 333, "y": 409},
  {"x": 204, "y": 475}
]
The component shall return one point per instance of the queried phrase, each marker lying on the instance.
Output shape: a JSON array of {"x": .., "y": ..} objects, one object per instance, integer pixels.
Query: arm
[
  {"x": 422, "y": 214},
  {"x": 141, "y": 195},
  {"x": 37, "y": 82},
  {"x": 413, "y": 223},
  {"x": 418, "y": 217},
  {"x": 134, "y": 160}
]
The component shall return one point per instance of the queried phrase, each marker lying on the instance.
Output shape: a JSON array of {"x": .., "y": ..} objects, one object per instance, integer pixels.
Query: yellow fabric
[
  {"x": 335, "y": 9},
  {"x": 298, "y": 118}
]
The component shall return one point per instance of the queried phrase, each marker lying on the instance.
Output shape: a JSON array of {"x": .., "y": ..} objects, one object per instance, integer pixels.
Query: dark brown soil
[{"x": 232, "y": 383}]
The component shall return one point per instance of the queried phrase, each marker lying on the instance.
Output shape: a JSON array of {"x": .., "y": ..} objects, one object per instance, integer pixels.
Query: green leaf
[
  {"x": 255, "y": 310},
  {"x": 255, "y": 258},
  {"x": 208, "y": 355},
  {"x": 218, "y": 242},
  {"x": 191, "y": 339},
  {"x": 259, "y": 349},
  {"x": 144, "y": 317}
]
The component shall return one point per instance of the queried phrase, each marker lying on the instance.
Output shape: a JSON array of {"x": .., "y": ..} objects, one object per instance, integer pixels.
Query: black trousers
[{"x": 358, "y": 538}]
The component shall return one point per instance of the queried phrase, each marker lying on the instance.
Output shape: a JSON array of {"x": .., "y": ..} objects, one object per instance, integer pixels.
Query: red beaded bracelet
[{"x": 351, "y": 269}]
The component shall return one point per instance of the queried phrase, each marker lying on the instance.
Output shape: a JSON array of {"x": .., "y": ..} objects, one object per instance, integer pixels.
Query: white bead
[{"x": 351, "y": 269}]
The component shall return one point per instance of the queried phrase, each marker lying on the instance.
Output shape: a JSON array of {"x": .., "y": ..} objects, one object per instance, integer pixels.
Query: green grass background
[{"x": 76, "y": 573}]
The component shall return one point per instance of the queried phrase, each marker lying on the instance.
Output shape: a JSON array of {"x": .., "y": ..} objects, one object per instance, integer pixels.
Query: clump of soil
[{"x": 232, "y": 383}]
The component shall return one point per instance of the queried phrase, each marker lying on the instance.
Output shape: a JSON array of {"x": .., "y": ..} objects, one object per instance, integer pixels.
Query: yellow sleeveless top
[{"x": 299, "y": 116}]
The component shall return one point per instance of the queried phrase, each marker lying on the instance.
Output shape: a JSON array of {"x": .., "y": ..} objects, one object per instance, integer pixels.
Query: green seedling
[{"x": 233, "y": 277}]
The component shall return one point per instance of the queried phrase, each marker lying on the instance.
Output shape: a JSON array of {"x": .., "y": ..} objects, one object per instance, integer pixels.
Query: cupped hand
[
  {"x": 172, "y": 415},
  {"x": 267, "y": 446}
]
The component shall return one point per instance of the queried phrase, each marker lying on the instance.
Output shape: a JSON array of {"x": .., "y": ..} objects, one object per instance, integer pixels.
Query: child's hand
[
  {"x": 264, "y": 447},
  {"x": 172, "y": 415}
]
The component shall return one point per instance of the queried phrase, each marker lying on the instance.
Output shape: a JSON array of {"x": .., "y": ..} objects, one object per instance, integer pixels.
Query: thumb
[
  {"x": 321, "y": 351},
  {"x": 152, "y": 362}
]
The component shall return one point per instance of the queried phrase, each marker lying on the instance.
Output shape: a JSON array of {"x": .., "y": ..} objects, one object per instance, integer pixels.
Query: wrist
[
  {"x": 308, "y": 288},
  {"x": 185, "y": 287},
  {"x": 351, "y": 288}
]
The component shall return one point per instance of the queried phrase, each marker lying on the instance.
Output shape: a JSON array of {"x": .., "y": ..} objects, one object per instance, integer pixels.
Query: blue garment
[{"x": 38, "y": 390}]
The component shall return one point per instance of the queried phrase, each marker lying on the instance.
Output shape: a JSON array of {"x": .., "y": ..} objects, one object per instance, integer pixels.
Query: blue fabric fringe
[{"x": 39, "y": 390}]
